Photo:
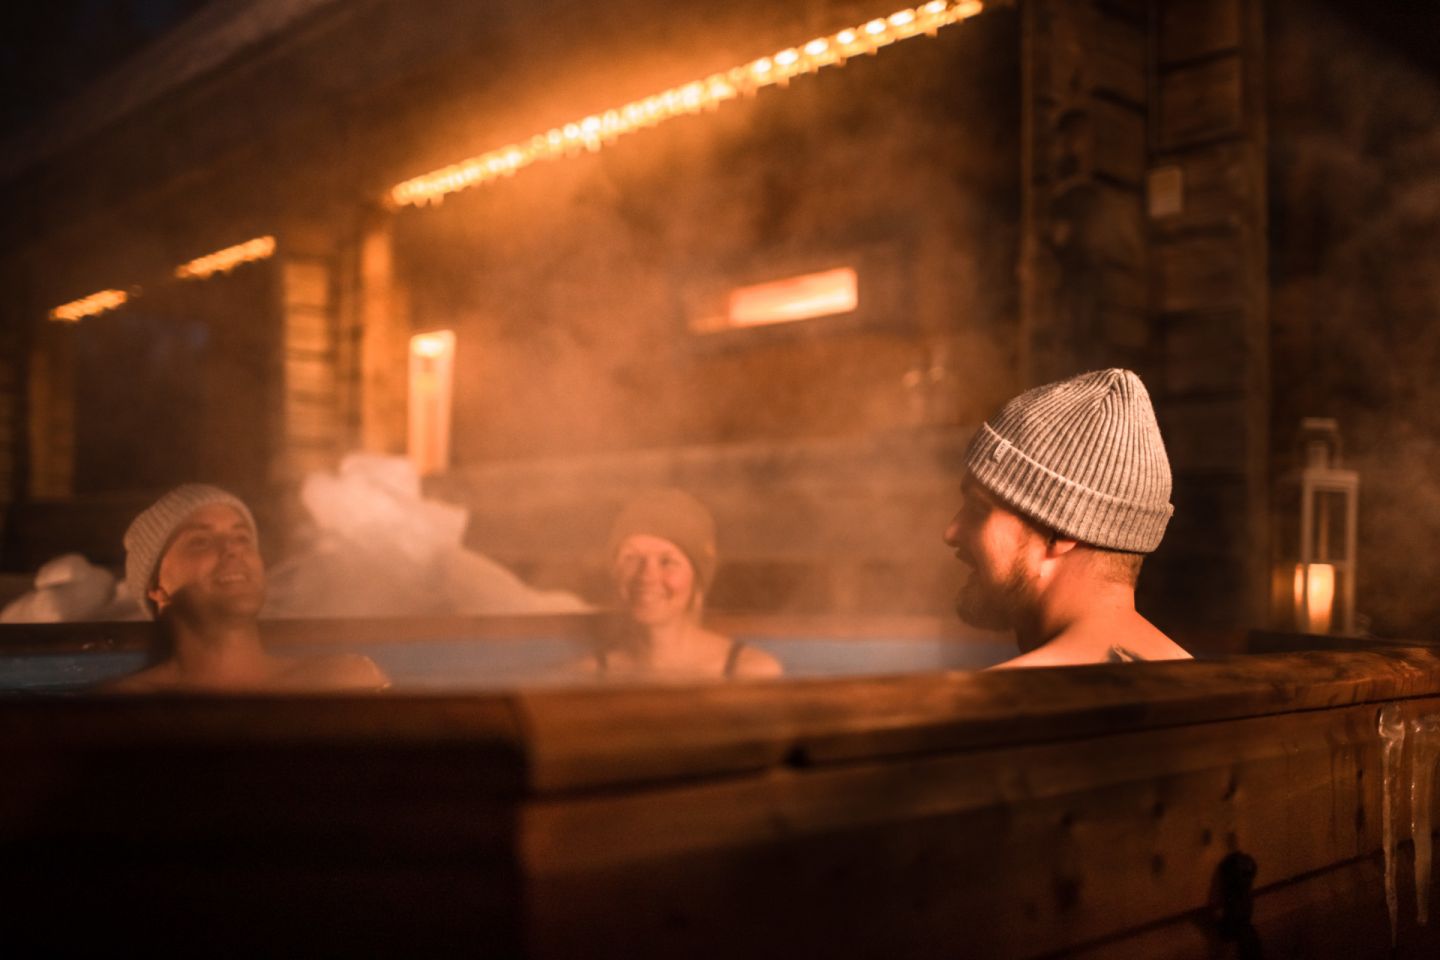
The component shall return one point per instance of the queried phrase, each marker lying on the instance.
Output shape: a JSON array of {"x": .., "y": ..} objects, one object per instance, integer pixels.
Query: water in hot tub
[{"x": 460, "y": 663}]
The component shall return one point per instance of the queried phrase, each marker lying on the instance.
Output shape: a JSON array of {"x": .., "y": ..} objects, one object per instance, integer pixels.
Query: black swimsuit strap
[{"x": 732, "y": 659}]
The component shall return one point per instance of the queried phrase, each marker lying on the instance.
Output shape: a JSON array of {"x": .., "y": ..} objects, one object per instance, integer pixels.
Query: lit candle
[{"x": 1315, "y": 596}]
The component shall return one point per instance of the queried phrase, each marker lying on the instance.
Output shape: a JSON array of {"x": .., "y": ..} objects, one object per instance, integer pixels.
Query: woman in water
[{"x": 662, "y": 561}]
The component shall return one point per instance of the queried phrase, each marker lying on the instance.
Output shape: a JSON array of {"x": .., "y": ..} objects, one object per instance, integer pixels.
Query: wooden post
[
  {"x": 1083, "y": 255},
  {"x": 311, "y": 429},
  {"x": 1208, "y": 296},
  {"x": 1144, "y": 245},
  {"x": 52, "y": 412},
  {"x": 384, "y": 340},
  {"x": 13, "y": 340}
]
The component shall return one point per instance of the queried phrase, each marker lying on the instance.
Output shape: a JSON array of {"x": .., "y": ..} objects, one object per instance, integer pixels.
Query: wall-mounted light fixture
[
  {"x": 809, "y": 295},
  {"x": 432, "y": 381}
]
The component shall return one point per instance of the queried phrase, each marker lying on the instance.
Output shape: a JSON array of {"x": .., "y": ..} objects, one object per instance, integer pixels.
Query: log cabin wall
[
  {"x": 1144, "y": 137},
  {"x": 1209, "y": 298},
  {"x": 1144, "y": 246},
  {"x": 310, "y": 431},
  {"x": 13, "y": 355},
  {"x": 848, "y": 526},
  {"x": 828, "y": 450},
  {"x": 1354, "y": 168},
  {"x": 340, "y": 310},
  {"x": 244, "y": 155}
]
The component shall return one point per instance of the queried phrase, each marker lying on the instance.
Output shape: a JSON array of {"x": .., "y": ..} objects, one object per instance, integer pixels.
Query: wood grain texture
[
  {"x": 1005, "y": 814},
  {"x": 1006, "y": 853},
  {"x": 586, "y": 739}
]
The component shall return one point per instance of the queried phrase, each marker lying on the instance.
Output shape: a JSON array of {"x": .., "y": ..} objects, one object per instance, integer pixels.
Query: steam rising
[
  {"x": 573, "y": 290},
  {"x": 1355, "y": 201}
]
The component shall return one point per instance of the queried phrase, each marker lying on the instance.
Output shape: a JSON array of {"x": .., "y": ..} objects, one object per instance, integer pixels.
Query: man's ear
[
  {"x": 1057, "y": 546},
  {"x": 159, "y": 596}
]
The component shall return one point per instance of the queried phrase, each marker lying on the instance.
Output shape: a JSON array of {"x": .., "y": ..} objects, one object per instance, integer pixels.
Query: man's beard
[
  {"x": 210, "y": 610},
  {"x": 996, "y": 606}
]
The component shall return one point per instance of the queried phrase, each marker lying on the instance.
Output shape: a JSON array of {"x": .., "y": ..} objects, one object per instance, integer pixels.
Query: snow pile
[
  {"x": 379, "y": 549},
  {"x": 382, "y": 549},
  {"x": 71, "y": 588}
]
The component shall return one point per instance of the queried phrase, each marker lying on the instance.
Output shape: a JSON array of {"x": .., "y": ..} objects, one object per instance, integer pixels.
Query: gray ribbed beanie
[
  {"x": 150, "y": 533},
  {"x": 1083, "y": 457}
]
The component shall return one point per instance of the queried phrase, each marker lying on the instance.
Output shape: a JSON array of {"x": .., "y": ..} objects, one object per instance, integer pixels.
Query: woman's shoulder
[{"x": 750, "y": 662}]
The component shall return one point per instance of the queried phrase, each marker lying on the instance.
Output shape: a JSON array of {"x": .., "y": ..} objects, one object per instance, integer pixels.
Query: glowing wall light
[
  {"x": 223, "y": 261},
  {"x": 795, "y": 298},
  {"x": 93, "y": 305},
  {"x": 592, "y": 132},
  {"x": 432, "y": 381}
]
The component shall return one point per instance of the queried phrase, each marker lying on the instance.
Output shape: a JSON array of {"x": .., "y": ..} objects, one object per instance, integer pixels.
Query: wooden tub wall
[{"x": 1081, "y": 812}]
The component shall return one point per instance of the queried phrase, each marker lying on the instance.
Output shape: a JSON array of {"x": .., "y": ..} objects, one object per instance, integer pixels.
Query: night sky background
[{"x": 52, "y": 50}]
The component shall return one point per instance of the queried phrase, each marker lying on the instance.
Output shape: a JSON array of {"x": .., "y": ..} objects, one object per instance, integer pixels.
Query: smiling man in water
[
  {"x": 1066, "y": 490},
  {"x": 192, "y": 560}
]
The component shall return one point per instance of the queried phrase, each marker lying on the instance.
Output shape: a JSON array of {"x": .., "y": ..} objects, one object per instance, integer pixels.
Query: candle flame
[{"x": 1315, "y": 596}]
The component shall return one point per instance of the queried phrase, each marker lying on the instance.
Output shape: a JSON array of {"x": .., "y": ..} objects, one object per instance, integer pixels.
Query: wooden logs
[{"x": 1095, "y": 811}]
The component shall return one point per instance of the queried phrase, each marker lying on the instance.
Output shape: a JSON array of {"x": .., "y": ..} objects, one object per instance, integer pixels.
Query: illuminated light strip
[
  {"x": 592, "y": 132},
  {"x": 96, "y": 303},
  {"x": 223, "y": 261}
]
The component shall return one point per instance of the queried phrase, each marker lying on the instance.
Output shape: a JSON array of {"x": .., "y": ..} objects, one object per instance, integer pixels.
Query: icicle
[
  {"x": 1392, "y": 736},
  {"x": 1425, "y": 750}
]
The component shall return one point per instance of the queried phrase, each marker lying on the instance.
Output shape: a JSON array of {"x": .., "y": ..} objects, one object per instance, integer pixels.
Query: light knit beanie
[
  {"x": 675, "y": 516},
  {"x": 150, "y": 533},
  {"x": 1083, "y": 457}
]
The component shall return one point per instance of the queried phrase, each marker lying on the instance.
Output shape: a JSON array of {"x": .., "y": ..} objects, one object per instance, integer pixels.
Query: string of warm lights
[
  {"x": 223, "y": 261},
  {"x": 96, "y": 303},
  {"x": 596, "y": 130},
  {"x": 592, "y": 132}
]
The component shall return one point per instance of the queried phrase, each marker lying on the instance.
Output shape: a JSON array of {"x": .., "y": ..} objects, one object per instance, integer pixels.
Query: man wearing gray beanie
[
  {"x": 192, "y": 562},
  {"x": 1066, "y": 490}
]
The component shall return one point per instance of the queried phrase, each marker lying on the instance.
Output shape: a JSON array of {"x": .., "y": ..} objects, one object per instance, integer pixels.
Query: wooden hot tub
[{"x": 1149, "y": 810}]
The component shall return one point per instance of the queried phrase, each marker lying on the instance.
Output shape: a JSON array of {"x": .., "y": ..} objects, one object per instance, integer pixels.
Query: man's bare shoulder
[
  {"x": 161, "y": 677},
  {"x": 1132, "y": 640},
  {"x": 1046, "y": 656},
  {"x": 344, "y": 671}
]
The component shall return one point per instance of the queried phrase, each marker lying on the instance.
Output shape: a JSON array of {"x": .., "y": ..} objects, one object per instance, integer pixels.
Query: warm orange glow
[
  {"x": 1314, "y": 596},
  {"x": 432, "y": 345},
  {"x": 795, "y": 298},
  {"x": 223, "y": 261},
  {"x": 590, "y": 133},
  {"x": 96, "y": 303},
  {"x": 432, "y": 381}
]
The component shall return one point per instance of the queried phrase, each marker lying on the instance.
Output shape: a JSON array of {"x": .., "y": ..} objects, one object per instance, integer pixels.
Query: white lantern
[{"x": 1315, "y": 579}]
